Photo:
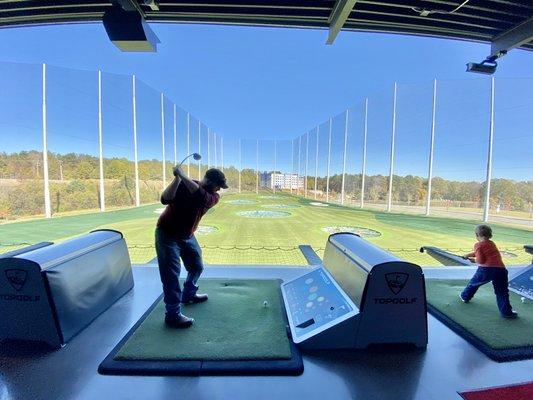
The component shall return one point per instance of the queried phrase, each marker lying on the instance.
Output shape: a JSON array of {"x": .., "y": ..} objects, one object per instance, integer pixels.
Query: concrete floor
[{"x": 448, "y": 365}]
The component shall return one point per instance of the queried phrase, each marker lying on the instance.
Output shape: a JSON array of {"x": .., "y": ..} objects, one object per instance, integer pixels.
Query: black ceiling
[{"x": 478, "y": 20}]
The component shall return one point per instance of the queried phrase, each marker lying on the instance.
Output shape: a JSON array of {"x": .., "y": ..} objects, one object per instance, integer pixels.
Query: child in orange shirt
[{"x": 491, "y": 269}]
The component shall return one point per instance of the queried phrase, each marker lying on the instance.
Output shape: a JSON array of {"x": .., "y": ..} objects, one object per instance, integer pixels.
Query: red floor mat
[{"x": 522, "y": 391}]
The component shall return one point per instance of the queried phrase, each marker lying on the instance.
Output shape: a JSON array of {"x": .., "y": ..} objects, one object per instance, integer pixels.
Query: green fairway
[{"x": 233, "y": 238}]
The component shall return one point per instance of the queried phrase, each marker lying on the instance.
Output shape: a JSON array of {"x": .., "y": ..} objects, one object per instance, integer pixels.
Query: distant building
[{"x": 281, "y": 181}]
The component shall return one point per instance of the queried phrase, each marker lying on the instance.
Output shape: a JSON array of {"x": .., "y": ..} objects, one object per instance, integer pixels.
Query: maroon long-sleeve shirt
[{"x": 183, "y": 214}]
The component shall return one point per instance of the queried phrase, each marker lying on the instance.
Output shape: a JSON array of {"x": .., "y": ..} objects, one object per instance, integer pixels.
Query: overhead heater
[{"x": 129, "y": 31}]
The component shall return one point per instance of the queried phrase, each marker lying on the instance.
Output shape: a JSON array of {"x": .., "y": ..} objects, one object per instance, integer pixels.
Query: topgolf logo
[{"x": 17, "y": 278}]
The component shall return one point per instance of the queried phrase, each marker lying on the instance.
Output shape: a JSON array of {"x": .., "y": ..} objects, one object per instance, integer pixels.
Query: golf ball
[
  {"x": 523, "y": 299},
  {"x": 265, "y": 304}
]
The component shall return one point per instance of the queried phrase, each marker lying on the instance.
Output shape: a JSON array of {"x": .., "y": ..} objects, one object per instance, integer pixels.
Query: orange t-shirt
[{"x": 487, "y": 254}]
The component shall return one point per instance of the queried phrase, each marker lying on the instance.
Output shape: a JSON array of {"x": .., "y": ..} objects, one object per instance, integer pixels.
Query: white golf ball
[
  {"x": 265, "y": 303},
  {"x": 523, "y": 299}
]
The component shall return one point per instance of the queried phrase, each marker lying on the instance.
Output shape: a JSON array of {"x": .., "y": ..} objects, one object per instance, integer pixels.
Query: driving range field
[{"x": 268, "y": 228}]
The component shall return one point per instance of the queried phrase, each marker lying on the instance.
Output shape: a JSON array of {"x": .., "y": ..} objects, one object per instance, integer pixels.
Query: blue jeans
[
  {"x": 169, "y": 251},
  {"x": 499, "y": 278}
]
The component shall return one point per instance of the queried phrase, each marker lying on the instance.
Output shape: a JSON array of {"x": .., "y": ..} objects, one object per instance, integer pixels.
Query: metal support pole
[
  {"x": 100, "y": 143},
  {"x": 344, "y": 157},
  {"x": 292, "y": 165},
  {"x": 306, "y": 162},
  {"x": 329, "y": 161},
  {"x": 208, "y": 148},
  {"x": 299, "y": 157},
  {"x": 47, "y": 205},
  {"x": 489, "y": 156},
  {"x": 431, "y": 147},
  {"x": 199, "y": 150},
  {"x": 240, "y": 164},
  {"x": 188, "y": 145},
  {"x": 257, "y": 167},
  {"x": 222, "y": 153},
  {"x": 163, "y": 141},
  {"x": 273, "y": 176},
  {"x": 316, "y": 158},
  {"x": 363, "y": 170},
  {"x": 135, "y": 149},
  {"x": 391, "y": 169},
  {"x": 215, "y": 143},
  {"x": 175, "y": 139}
]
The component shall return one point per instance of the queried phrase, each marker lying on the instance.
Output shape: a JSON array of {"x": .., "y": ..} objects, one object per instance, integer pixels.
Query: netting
[{"x": 289, "y": 255}]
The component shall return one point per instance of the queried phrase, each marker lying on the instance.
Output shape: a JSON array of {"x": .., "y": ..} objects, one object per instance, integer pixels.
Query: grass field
[{"x": 242, "y": 240}]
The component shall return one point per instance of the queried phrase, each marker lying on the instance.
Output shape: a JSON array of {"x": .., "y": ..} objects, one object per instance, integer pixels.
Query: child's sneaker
[
  {"x": 512, "y": 315},
  {"x": 463, "y": 300}
]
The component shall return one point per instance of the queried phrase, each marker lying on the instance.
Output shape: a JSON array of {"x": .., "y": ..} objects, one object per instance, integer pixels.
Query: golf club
[{"x": 196, "y": 156}]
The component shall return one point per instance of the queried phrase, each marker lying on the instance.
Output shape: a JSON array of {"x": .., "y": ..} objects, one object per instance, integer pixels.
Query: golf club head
[{"x": 196, "y": 156}]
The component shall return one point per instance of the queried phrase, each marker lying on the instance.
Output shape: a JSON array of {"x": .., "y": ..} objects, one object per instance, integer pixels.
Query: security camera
[
  {"x": 481, "y": 68},
  {"x": 488, "y": 66}
]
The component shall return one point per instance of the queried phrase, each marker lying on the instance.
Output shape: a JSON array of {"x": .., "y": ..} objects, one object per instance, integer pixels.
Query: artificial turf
[
  {"x": 480, "y": 317},
  {"x": 274, "y": 241},
  {"x": 233, "y": 324}
]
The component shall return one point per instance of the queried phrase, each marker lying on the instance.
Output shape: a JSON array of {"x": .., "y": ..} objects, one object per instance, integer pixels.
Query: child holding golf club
[
  {"x": 186, "y": 203},
  {"x": 491, "y": 269}
]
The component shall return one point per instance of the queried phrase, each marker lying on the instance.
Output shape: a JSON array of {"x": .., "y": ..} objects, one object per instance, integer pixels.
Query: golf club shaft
[{"x": 190, "y": 155}]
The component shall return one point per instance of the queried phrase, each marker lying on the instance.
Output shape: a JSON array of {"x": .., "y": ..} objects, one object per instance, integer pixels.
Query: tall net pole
[
  {"x": 292, "y": 166},
  {"x": 47, "y": 205},
  {"x": 344, "y": 158},
  {"x": 489, "y": 155},
  {"x": 306, "y": 161},
  {"x": 135, "y": 148},
  {"x": 163, "y": 140},
  {"x": 100, "y": 143},
  {"x": 273, "y": 177},
  {"x": 393, "y": 134},
  {"x": 240, "y": 164},
  {"x": 188, "y": 145},
  {"x": 215, "y": 164},
  {"x": 329, "y": 160},
  {"x": 299, "y": 157},
  {"x": 431, "y": 147},
  {"x": 222, "y": 153},
  {"x": 363, "y": 168},
  {"x": 175, "y": 139},
  {"x": 208, "y": 148},
  {"x": 316, "y": 159},
  {"x": 199, "y": 150},
  {"x": 257, "y": 167}
]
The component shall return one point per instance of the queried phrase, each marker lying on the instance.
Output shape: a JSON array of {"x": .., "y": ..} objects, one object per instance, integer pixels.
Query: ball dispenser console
[{"x": 361, "y": 296}]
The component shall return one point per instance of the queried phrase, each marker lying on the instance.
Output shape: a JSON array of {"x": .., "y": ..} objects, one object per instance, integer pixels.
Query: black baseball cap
[{"x": 217, "y": 177}]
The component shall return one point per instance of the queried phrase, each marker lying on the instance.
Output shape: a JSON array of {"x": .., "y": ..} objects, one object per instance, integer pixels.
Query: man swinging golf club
[{"x": 186, "y": 202}]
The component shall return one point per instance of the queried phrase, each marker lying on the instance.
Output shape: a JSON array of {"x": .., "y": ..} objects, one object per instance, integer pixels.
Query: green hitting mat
[
  {"x": 479, "y": 321},
  {"x": 240, "y": 330}
]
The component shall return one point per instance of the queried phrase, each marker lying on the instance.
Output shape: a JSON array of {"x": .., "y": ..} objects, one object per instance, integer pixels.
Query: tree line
[{"x": 74, "y": 185}]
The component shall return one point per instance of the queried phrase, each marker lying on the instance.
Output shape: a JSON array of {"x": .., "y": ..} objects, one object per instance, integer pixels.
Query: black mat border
[
  {"x": 275, "y": 367},
  {"x": 499, "y": 355}
]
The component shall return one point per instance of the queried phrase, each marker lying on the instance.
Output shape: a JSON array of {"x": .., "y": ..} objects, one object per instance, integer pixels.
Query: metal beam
[
  {"x": 129, "y": 5},
  {"x": 340, "y": 13},
  {"x": 514, "y": 37}
]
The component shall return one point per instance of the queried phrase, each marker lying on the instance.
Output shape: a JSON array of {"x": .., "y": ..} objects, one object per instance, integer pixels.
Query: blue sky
[{"x": 271, "y": 83}]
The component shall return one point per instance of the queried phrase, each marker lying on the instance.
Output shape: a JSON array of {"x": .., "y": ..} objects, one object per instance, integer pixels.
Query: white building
[{"x": 284, "y": 181}]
